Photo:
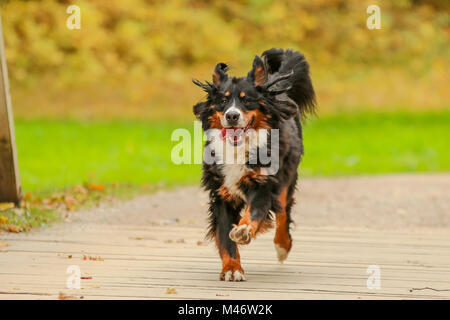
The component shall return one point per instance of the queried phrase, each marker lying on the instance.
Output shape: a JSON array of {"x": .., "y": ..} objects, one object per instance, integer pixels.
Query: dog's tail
[{"x": 279, "y": 62}]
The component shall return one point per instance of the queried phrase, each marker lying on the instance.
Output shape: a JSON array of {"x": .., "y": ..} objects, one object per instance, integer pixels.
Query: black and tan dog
[{"x": 244, "y": 199}]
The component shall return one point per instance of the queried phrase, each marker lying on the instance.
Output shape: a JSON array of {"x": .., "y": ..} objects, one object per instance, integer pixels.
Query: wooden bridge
[{"x": 172, "y": 262}]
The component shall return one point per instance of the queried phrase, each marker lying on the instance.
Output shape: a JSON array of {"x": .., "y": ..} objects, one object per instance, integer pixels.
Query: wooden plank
[
  {"x": 10, "y": 189},
  {"x": 140, "y": 263}
]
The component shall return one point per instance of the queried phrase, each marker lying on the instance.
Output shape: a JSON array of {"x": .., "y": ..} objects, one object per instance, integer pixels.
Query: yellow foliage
[{"x": 149, "y": 50}]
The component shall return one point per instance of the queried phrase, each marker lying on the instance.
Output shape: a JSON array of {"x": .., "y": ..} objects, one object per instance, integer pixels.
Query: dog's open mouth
[{"x": 236, "y": 135}]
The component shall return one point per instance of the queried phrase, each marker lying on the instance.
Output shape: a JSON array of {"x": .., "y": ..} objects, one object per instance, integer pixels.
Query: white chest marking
[{"x": 232, "y": 174}]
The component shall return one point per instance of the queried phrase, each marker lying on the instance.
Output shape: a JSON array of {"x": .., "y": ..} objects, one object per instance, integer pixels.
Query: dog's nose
[{"x": 232, "y": 117}]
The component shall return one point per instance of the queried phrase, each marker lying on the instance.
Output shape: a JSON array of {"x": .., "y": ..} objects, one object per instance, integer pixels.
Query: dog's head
[{"x": 235, "y": 105}]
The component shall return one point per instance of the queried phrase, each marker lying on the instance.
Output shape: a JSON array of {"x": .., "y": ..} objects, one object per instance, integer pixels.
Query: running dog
[{"x": 245, "y": 198}]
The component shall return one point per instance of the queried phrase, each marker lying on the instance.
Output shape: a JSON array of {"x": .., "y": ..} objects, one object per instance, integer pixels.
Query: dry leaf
[
  {"x": 14, "y": 228},
  {"x": 63, "y": 296},
  {"x": 27, "y": 196},
  {"x": 171, "y": 291},
  {"x": 86, "y": 278},
  {"x": 201, "y": 243},
  {"x": 4, "y": 244},
  {"x": 93, "y": 258},
  {"x": 80, "y": 189},
  {"x": 99, "y": 187}
]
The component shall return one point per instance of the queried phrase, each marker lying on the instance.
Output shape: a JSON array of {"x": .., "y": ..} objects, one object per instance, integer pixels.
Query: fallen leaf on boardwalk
[
  {"x": 92, "y": 258},
  {"x": 1, "y": 250},
  {"x": 99, "y": 187},
  {"x": 142, "y": 238},
  {"x": 69, "y": 256},
  {"x": 171, "y": 291},
  {"x": 168, "y": 241},
  {"x": 86, "y": 278},
  {"x": 63, "y": 296},
  {"x": 4, "y": 244},
  {"x": 13, "y": 228},
  {"x": 96, "y": 258},
  {"x": 201, "y": 243},
  {"x": 6, "y": 205}
]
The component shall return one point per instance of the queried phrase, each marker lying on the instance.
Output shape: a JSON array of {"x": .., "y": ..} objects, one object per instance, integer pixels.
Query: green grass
[
  {"x": 59, "y": 154},
  {"x": 27, "y": 219},
  {"x": 375, "y": 143},
  {"x": 54, "y": 155}
]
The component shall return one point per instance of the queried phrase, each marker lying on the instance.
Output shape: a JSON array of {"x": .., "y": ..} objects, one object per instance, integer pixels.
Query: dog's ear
[
  {"x": 199, "y": 108},
  {"x": 258, "y": 74},
  {"x": 219, "y": 74}
]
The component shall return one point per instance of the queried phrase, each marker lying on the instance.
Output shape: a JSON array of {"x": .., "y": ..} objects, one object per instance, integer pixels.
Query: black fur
[
  {"x": 279, "y": 88},
  {"x": 279, "y": 61}
]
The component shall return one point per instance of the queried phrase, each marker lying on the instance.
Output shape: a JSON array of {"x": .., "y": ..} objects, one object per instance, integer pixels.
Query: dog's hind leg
[{"x": 283, "y": 239}]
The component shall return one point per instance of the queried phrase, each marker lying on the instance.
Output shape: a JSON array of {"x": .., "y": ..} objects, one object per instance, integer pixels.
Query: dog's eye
[
  {"x": 244, "y": 100},
  {"x": 223, "y": 101}
]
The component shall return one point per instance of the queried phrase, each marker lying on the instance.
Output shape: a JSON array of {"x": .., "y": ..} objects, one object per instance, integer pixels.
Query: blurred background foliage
[
  {"x": 135, "y": 58},
  {"x": 95, "y": 108}
]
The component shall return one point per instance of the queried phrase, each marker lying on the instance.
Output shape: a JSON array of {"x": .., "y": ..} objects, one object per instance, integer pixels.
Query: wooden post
[{"x": 10, "y": 189}]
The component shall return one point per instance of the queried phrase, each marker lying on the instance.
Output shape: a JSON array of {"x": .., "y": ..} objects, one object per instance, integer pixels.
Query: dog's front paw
[
  {"x": 241, "y": 234},
  {"x": 232, "y": 275}
]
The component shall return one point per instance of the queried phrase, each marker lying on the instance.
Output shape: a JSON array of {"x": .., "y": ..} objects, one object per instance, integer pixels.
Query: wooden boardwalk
[{"x": 171, "y": 262}]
